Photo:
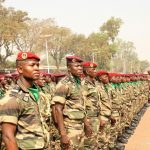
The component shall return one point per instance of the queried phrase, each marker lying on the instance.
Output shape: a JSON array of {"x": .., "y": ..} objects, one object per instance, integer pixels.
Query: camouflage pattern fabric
[
  {"x": 70, "y": 94},
  {"x": 105, "y": 113},
  {"x": 20, "y": 108},
  {"x": 116, "y": 107},
  {"x": 92, "y": 102}
]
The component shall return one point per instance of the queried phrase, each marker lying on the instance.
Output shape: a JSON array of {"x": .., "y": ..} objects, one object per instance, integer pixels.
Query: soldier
[
  {"x": 68, "y": 107},
  {"x": 54, "y": 135},
  {"x": 4, "y": 84},
  {"x": 49, "y": 84},
  {"x": 106, "y": 106},
  {"x": 22, "y": 112},
  {"x": 114, "y": 95},
  {"x": 92, "y": 104},
  {"x": 149, "y": 86}
]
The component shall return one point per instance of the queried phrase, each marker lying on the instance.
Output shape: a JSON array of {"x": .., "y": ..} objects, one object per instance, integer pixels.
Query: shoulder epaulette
[{"x": 16, "y": 92}]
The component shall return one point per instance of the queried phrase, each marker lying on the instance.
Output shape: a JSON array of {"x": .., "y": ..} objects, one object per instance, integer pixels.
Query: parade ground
[{"x": 140, "y": 140}]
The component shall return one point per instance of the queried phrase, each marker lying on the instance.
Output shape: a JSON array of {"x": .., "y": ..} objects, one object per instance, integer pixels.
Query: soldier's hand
[
  {"x": 88, "y": 130},
  {"x": 101, "y": 129},
  {"x": 113, "y": 121},
  {"x": 65, "y": 141},
  {"x": 102, "y": 125}
]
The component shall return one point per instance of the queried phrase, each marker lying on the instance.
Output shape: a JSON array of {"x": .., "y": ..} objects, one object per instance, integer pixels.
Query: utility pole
[
  {"x": 47, "y": 56},
  {"x": 46, "y": 49}
]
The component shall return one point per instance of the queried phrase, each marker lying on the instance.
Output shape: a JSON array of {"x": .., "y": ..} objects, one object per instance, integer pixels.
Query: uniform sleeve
[
  {"x": 9, "y": 110},
  {"x": 105, "y": 111},
  {"x": 60, "y": 93}
]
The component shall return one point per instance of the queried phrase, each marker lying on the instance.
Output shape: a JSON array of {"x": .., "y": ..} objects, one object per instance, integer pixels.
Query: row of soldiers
[{"x": 86, "y": 110}]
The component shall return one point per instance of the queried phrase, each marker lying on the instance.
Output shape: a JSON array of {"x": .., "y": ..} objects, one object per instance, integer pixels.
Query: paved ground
[{"x": 140, "y": 140}]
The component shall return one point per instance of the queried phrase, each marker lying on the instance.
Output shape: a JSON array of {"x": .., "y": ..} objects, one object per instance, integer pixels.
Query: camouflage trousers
[
  {"x": 114, "y": 129},
  {"x": 75, "y": 132},
  {"x": 91, "y": 143},
  {"x": 104, "y": 136},
  {"x": 54, "y": 138}
]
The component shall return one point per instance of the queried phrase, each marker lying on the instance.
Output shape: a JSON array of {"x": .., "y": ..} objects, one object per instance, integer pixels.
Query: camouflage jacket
[
  {"x": 106, "y": 104},
  {"x": 92, "y": 99},
  {"x": 70, "y": 94},
  {"x": 114, "y": 95},
  {"x": 20, "y": 108}
]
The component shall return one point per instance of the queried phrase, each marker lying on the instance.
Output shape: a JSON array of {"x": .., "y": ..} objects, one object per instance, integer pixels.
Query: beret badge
[{"x": 24, "y": 55}]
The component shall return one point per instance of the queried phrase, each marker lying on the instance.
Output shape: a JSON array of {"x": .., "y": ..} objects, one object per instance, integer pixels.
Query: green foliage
[{"x": 112, "y": 27}]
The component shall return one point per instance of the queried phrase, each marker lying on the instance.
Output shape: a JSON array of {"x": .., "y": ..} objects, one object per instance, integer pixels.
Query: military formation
[{"x": 84, "y": 109}]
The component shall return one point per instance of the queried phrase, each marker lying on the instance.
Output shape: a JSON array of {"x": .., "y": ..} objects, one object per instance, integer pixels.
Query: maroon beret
[
  {"x": 27, "y": 55},
  {"x": 73, "y": 59}
]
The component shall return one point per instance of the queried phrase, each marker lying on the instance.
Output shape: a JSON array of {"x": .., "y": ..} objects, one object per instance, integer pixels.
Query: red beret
[
  {"x": 45, "y": 74},
  {"x": 126, "y": 75},
  {"x": 111, "y": 74},
  {"x": 73, "y": 59},
  {"x": 89, "y": 64},
  {"x": 60, "y": 75},
  {"x": 2, "y": 77},
  {"x": 8, "y": 75},
  {"x": 102, "y": 72},
  {"x": 27, "y": 55}
]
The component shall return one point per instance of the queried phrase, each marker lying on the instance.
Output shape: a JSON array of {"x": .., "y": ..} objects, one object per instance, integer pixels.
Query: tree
[
  {"x": 144, "y": 64},
  {"x": 126, "y": 59},
  {"x": 111, "y": 28},
  {"x": 11, "y": 24},
  {"x": 30, "y": 39},
  {"x": 57, "y": 42}
]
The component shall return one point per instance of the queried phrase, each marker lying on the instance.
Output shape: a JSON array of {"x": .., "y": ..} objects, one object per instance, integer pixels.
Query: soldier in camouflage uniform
[
  {"x": 24, "y": 112},
  {"x": 115, "y": 117},
  {"x": 68, "y": 107},
  {"x": 91, "y": 93},
  {"x": 49, "y": 85},
  {"x": 106, "y": 110},
  {"x": 3, "y": 85},
  {"x": 2, "y": 94},
  {"x": 148, "y": 80}
]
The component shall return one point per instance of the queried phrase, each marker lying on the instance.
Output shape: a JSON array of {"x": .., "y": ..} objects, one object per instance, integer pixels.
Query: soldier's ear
[
  {"x": 87, "y": 71},
  {"x": 69, "y": 68},
  {"x": 19, "y": 68}
]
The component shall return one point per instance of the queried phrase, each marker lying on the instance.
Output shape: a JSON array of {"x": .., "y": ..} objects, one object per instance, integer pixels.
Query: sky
[{"x": 86, "y": 16}]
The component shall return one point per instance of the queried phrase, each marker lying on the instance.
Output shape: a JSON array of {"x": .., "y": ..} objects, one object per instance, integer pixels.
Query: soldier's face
[
  {"x": 113, "y": 80},
  {"x": 3, "y": 81},
  {"x": 91, "y": 72},
  {"x": 48, "y": 79},
  {"x": 104, "y": 79},
  {"x": 41, "y": 82},
  {"x": 76, "y": 69},
  {"x": 29, "y": 69}
]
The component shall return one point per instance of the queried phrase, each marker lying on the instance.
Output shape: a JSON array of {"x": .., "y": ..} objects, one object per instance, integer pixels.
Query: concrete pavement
[{"x": 140, "y": 140}]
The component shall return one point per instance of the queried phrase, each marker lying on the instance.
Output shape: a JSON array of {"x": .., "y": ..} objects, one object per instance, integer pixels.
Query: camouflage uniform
[
  {"x": 49, "y": 89},
  {"x": 116, "y": 114},
  {"x": 105, "y": 113},
  {"x": 69, "y": 93},
  {"x": 30, "y": 117},
  {"x": 93, "y": 111},
  {"x": 1, "y": 96}
]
